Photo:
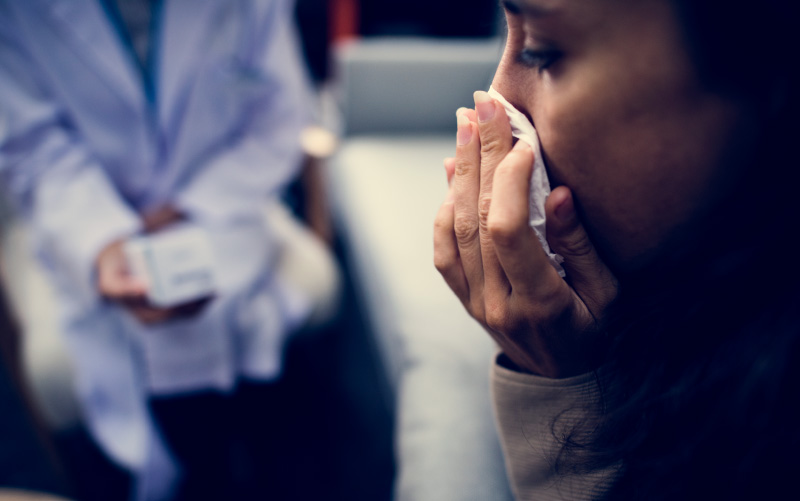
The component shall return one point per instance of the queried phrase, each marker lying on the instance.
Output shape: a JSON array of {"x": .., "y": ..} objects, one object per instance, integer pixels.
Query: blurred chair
[
  {"x": 398, "y": 101},
  {"x": 27, "y": 457},
  {"x": 46, "y": 365}
]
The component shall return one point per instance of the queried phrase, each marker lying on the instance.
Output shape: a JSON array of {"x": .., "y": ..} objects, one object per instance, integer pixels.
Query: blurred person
[
  {"x": 665, "y": 364},
  {"x": 120, "y": 118},
  {"x": 27, "y": 460}
]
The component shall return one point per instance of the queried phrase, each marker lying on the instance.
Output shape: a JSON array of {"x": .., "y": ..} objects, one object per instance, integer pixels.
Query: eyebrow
[{"x": 515, "y": 7}]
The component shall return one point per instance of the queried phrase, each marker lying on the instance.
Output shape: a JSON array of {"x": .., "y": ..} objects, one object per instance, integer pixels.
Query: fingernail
[
  {"x": 450, "y": 196},
  {"x": 464, "y": 135},
  {"x": 521, "y": 145},
  {"x": 460, "y": 111},
  {"x": 484, "y": 105},
  {"x": 566, "y": 211}
]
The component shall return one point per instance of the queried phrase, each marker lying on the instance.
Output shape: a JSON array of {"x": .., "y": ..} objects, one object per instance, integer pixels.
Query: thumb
[
  {"x": 113, "y": 279},
  {"x": 586, "y": 272},
  {"x": 119, "y": 286}
]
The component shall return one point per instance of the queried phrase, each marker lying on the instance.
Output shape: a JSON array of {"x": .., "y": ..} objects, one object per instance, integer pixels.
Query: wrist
[{"x": 505, "y": 362}]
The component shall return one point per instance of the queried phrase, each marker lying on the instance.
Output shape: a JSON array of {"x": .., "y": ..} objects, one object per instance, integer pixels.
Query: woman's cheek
[
  {"x": 562, "y": 131},
  {"x": 579, "y": 152}
]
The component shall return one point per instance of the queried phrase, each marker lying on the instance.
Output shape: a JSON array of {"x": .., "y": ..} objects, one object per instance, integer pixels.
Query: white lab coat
[{"x": 83, "y": 153}]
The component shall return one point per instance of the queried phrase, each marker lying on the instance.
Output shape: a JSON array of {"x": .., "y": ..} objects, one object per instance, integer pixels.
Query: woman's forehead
[
  {"x": 534, "y": 8},
  {"x": 548, "y": 8},
  {"x": 578, "y": 17}
]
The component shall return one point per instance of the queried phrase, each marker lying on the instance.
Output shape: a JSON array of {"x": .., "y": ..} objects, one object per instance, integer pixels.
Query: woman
[{"x": 663, "y": 366}]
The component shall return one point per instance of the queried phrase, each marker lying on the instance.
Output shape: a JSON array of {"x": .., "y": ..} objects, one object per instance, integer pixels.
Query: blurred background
[{"x": 385, "y": 395}]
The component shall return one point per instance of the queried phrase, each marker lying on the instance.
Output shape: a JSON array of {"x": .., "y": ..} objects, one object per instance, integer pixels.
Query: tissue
[{"x": 523, "y": 130}]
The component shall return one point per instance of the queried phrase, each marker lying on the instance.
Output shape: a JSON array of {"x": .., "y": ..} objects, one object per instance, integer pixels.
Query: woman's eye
[{"x": 539, "y": 59}]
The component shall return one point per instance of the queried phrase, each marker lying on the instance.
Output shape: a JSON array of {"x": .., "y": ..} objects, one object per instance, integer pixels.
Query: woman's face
[{"x": 623, "y": 119}]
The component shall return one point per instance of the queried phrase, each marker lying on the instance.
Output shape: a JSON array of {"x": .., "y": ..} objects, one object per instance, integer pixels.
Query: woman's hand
[{"x": 493, "y": 261}]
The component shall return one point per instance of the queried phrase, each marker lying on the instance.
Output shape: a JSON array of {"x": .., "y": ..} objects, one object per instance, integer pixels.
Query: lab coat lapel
[
  {"x": 186, "y": 27},
  {"x": 86, "y": 26}
]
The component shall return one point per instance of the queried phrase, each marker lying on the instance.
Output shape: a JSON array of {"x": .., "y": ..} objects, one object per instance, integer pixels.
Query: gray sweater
[{"x": 533, "y": 414}]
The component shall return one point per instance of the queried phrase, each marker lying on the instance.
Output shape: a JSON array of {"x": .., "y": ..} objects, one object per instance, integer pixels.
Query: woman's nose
[
  {"x": 506, "y": 83},
  {"x": 499, "y": 82}
]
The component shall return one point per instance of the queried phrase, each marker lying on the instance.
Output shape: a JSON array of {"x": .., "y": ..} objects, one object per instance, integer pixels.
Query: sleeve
[
  {"x": 49, "y": 175},
  {"x": 533, "y": 416},
  {"x": 237, "y": 180}
]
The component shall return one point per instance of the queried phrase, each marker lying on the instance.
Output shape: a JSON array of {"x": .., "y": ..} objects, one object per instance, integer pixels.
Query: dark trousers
[{"x": 226, "y": 443}]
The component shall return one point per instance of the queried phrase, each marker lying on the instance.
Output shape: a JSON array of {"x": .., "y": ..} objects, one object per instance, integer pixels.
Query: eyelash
[{"x": 539, "y": 60}]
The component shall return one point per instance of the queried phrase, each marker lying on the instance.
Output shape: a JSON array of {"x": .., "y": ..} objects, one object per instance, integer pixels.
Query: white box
[{"x": 177, "y": 264}]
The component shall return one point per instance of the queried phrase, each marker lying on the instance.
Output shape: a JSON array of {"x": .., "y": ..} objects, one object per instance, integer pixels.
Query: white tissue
[{"x": 522, "y": 129}]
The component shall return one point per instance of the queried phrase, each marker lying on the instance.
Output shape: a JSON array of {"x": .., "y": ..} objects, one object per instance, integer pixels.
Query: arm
[
  {"x": 549, "y": 328},
  {"x": 237, "y": 181},
  {"x": 50, "y": 175},
  {"x": 533, "y": 415}
]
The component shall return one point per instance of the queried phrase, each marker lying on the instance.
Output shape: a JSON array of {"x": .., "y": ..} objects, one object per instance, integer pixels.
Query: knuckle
[
  {"x": 492, "y": 149},
  {"x": 577, "y": 244},
  {"x": 463, "y": 166},
  {"x": 484, "y": 208},
  {"x": 521, "y": 155},
  {"x": 477, "y": 309},
  {"x": 442, "y": 223},
  {"x": 504, "y": 231},
  {"x": 443, "y": 261},
  {"x": 465, "y": 229},
  {"x": 497, "y": 316}
]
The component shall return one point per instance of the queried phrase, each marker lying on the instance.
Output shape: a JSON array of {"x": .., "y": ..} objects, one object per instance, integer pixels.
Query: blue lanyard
[{"x": 148, "y": 68}]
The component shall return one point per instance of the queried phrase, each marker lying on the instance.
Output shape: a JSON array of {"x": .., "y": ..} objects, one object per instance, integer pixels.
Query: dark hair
[{"x": 704, "y": 371}]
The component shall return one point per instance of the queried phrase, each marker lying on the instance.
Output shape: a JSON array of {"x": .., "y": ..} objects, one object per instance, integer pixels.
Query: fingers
[
  {"x": 149, "y": 315},
  {"x": 496, "y": 141},
  {"x": 113, "y": 278},
  {"x": 121, "y": 287},
  {"x": 450, "y": 169},
  {"x": 159, "y": 219},
  {"x": 588, "y": 275},
  {"x": 495, "y": 136},
  {"x": 471, "y": 114},
  {"x": 518, "y": 249},
  {"x": 466, "y": 188},
  {"x": 465, "y": 253},
  {"x": 192, "y": 308},
  {"x": 445, "y": 247}
]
